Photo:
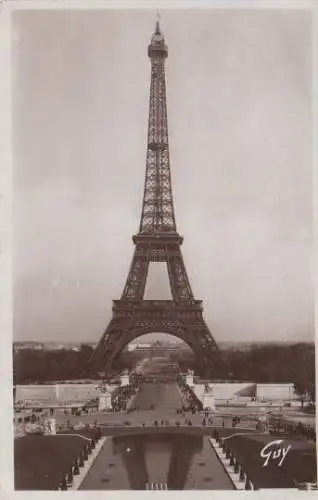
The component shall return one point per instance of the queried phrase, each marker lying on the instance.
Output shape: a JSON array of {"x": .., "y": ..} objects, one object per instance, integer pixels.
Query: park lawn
[
  {"x": 41, "y": 462},
  {"x": 299, "y": 464}
]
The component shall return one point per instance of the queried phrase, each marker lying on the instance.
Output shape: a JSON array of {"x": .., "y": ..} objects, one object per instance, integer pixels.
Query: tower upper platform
[{"x": 157, "y": 47}]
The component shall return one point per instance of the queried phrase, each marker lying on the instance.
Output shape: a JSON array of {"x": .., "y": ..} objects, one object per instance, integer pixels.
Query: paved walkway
[
  {"x": 166, "y": 395},
  {"x": 148, "y": 417}
]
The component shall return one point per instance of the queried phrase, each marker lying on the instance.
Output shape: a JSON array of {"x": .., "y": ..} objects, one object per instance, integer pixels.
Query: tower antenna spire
[{"x": 158, "y": 24}]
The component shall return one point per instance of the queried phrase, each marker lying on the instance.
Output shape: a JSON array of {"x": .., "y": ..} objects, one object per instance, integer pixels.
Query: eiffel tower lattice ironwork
[{"x": 157, "y": 241}]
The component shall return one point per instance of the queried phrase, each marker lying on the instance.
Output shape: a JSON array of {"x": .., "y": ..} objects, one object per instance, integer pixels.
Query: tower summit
[
  {"x": 157, "y": 241},
  {"x": 157, "y": 45}
]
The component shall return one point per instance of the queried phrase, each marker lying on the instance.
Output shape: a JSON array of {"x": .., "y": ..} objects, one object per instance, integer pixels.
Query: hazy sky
[{"x": 239, "y": 114}]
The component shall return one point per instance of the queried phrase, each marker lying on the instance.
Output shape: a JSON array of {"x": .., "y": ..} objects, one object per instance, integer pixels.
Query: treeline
[
  {"x": 269, "y": 363},
  {"x": 40, "y": 366},
  {"x": 272, "y": 363}
]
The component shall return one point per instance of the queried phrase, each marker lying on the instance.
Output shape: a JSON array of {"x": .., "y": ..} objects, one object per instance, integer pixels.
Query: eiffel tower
[{"x": 157, "y": 241}]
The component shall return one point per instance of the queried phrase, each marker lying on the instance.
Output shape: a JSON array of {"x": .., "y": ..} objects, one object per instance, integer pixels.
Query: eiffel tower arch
[{"x": 157, "y": 241}]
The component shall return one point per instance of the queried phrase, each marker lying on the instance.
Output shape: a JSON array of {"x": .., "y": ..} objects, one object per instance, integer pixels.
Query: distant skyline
[
  {"x": 240, "y": 133},
  {"x": 151, "y": 337}
]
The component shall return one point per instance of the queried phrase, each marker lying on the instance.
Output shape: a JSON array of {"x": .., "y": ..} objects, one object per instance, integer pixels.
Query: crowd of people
[{"x": 299, "y": 429}]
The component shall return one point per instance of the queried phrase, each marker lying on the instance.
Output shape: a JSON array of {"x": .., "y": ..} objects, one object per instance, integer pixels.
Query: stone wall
[
  {"x": 59, "y": 392},
  {"x": 45, "y": 393},
  {"x": 275, "y": 392},
  {"x": 222, "y": 392},
  {"x": 235, "y": 392}
]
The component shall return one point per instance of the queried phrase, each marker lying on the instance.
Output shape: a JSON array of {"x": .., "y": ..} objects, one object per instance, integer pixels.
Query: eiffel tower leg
[
  {"x": 207, "y": 352},
  {"x": 179, "y": 281},
  {"x": 199, "y": 333},
  {"x": 105, "y": 352},
  {"x": 212, "y": 362},
  {"x": 136, "y": 281}
]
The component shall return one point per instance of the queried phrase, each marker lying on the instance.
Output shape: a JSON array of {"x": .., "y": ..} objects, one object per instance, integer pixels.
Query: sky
[{"x": 239, "y": 116}]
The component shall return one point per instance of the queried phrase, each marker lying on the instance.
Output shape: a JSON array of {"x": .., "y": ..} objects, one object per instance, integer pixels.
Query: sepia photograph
[{"x": 162, "y": 249}]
